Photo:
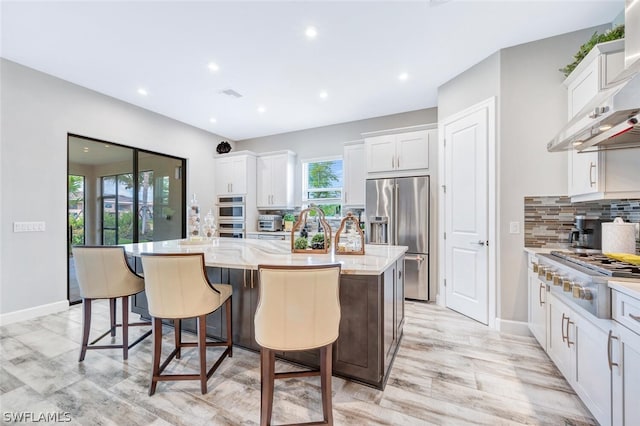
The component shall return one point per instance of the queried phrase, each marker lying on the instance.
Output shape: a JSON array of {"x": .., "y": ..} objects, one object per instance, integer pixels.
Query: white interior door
[{"x": 466, "y": 214}]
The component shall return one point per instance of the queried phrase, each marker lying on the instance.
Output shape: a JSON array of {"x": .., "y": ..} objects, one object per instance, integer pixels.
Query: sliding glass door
[{"x": 119, "y": 195}]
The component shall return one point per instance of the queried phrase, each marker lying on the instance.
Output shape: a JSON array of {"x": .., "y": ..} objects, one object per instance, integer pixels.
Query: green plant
[
  {"x": 300, "y": 243},
  {"x": 613, "y": 34},
  {"x": 318, "y": 238},
  {"x": 289, "y": 217}
]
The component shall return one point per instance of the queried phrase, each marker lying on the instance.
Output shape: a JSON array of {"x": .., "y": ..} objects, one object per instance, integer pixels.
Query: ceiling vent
[{"x": 231, "y": 92}]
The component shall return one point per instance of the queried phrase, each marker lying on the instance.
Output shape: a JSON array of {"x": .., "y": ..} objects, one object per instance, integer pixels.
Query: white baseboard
[
  {"x": 36, "y": 311},
  {"x": 520, "y": 328}
]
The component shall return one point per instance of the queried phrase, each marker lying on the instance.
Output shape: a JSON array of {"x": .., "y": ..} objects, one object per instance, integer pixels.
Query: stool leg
[
  {"x": 125, "y": 327},
  {"x": 325, "y": 383},
  {"x": 112, "y": 316},
  {"x": 267, "y": 371},
  {"x": 229, "y": 325},
  {"x": 157, "y": 350},
  {"x": 202, "y": 349},
  {"x": 86, "y": 322},
  {"x": 177, "y": 335}
]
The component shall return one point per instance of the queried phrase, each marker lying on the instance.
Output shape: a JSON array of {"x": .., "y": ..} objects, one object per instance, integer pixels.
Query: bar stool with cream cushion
[
  {"x": 177, "y": 287},
  {"x": 103, "y": 273},
  {"x": 298, "y": 309}
]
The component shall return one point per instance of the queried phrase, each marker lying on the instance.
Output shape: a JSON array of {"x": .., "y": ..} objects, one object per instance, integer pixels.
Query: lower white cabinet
[
  {"x": 537, "y": 315},
  {"x": 579, "y": 349},
  {"x": 624, "y": 361}
]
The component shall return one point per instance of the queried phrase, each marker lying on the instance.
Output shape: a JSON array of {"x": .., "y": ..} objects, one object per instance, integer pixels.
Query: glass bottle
[
  {"x": 194, "y": 218},
  {"x": 209, "y": 227}
]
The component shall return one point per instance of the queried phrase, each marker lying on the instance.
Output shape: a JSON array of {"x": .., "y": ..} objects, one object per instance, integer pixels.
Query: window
[{"x": 322, "y": 183}]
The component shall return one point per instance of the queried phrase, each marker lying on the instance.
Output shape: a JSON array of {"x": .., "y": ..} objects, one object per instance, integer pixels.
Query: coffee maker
[{"x": 586, "y": 233}]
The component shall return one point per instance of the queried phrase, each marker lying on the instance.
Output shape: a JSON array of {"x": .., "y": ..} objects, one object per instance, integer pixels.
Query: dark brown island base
[{"x": 372, "y": 309}]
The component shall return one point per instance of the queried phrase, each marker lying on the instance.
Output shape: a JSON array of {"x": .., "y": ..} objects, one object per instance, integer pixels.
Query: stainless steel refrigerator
[{"x": 397, "y": 213}]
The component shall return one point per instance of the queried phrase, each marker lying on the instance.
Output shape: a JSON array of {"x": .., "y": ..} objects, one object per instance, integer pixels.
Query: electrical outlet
[{"x": 514, "y": 227}]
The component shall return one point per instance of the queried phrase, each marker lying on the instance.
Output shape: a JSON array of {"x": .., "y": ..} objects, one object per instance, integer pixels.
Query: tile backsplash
[{"x": 548, "y": 220}]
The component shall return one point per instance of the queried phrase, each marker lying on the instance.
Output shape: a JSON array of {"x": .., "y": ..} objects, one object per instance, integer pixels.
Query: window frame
[{"x": 305, "y": 181}]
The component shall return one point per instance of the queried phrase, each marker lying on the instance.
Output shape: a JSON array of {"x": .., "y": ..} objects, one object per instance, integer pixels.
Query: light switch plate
[
  {"x": 514, "y": 227},
  {"x": 28, "y": 226}
]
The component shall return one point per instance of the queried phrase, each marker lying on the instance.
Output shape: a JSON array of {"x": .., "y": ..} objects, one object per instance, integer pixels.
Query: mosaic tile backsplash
[{"x": 548, "y": 220}]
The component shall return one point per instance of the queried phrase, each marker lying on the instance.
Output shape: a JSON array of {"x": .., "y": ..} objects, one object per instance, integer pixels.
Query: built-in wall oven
[{"x": 231, "y": 216}]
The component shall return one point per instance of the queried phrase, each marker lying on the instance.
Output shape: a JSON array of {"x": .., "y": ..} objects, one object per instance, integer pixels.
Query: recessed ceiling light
[
  {"x": 403, "y": 76},
  {"x": 311, "y": 32},
  {"x": 85, "y": 149},
  {"x": 323, "y": 94},
  {"x": 577, "y": 143},
  {"x": 213, "y": 120},
  {"x": 213, "y": 66},
  {"x": 142, "y": 92},
  {"x": 605, "y": 127},
  {"x": 107, "y": 146},
  {"x": 261, "y": 109}
]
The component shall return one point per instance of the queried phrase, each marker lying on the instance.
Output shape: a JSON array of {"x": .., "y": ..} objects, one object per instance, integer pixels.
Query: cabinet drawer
[{"x": 626, "y": 310}]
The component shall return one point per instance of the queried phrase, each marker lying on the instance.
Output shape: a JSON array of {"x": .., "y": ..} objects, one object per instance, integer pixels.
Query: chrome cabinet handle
[
  {"x": 569, "y": 342},
  {"x": 564, "y": 338},
  {"x": 244, "y": 278},
  {"x": 252, "y": 278},
  {"x": 540, "y": 294},
  {"x": 609, "y": 355},
  {"x": 635, "y": 317},
  {"x": 398, "y": 162},
  {"x": 592, "y": 166}
]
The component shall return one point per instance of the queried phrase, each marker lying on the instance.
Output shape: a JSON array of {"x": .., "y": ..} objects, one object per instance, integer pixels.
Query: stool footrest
[{"x": 290, "y": 374}]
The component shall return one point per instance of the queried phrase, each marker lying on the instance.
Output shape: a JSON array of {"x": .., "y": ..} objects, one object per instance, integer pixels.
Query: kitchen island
[{"x": 371, "y": 298}]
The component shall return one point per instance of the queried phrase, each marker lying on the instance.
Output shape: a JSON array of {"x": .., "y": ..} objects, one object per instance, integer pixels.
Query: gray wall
[
  {"x": 38, "y": 111},
  {"x": 329, "y": 140},
  {"x": 531, "y": 108}
]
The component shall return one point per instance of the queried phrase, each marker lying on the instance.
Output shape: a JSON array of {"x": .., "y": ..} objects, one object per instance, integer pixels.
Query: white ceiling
[{"x": 262, "y": 51}]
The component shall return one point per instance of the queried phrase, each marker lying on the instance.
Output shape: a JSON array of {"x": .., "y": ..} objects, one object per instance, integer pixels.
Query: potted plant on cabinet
[{"x": 288, "y": 221}]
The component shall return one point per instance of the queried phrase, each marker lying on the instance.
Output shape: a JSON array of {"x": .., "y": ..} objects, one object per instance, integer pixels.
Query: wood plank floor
[{"x": 449, "y": 370}]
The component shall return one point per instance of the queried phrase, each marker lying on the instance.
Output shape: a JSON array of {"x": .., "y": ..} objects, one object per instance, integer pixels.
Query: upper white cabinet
[
  {"x": 235, "y": 173},
  {"x": 354, "y": 174},
  {"x": 275, "y": 180},
  {"x": 598, "y": 175},
  {"x": 399, "y": 152},
  {"x": 595, "y": 73}
]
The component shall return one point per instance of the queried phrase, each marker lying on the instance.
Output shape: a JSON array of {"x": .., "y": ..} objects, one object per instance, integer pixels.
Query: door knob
[{"x": 480, "y": 243}]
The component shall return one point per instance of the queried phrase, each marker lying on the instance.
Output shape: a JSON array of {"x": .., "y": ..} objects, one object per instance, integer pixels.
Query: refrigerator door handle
[
  {"x": 395, "y": 214},
  {"x": 418, "y": 259}
]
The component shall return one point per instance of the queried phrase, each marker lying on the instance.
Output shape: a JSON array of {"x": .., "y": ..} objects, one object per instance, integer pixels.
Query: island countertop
[{"x": 249, "y": 253}]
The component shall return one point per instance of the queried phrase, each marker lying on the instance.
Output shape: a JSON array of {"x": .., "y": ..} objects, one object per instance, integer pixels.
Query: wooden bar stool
[
  {"x": 298, "y": 309},
  {"x": 103, "y": 273},
  {"x": 177, "y": 287}
]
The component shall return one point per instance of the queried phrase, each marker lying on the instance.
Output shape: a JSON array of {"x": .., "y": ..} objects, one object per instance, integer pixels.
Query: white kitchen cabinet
[
  {"x": 594, "y": 73},
  {"x": 624, "y": 347},
  {"x": 584, "y": 170},
  {"x": 354, "y": 174},
  {"x": 579, "y": 349},
  {"x": 275, "y": 180},
  {"x": 408, "y": 151},
  {"x": 537, "y": 315},
  {"x": 234, "y": 173}
]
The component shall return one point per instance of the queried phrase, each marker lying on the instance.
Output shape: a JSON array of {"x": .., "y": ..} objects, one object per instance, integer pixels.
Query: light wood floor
[{"x": 449, "y": 370}]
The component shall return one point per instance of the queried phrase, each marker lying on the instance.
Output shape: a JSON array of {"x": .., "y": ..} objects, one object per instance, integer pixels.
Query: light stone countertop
[
  {"x": 628, "y": 286},
  {"x": 249, "y": 253}
]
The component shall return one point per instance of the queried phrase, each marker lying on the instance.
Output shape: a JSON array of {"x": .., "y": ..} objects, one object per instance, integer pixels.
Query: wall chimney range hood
[{"x": 612, "y": 119}]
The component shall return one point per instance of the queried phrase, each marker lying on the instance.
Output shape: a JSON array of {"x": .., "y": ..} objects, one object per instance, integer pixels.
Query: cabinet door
[
  {"x": 537, "y": 309},
  {"x": 223, "y": 175},
  {"x": 583, "y": 172},
  {"x": 280, "y": 181},
  {"x": 412, "y": 150},
  {"x": 592, "y": 375},
  {"x": 625, "y": 376},
  {"x": 399, "y": 298},
  {"x": 560, "y": 330},
  {"x": 264, "y": 182},
  {"x": 354, "y": 175},
  {"x": 380, "y": 153},
  {"x": 238, "y": 172}
]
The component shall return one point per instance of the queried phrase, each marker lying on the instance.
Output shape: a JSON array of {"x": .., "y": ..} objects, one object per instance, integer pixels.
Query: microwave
[
  {"x": 231, "y": 208},
  {"x": 269, "y": 222},
  {"x": 231, "y": 229}
]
